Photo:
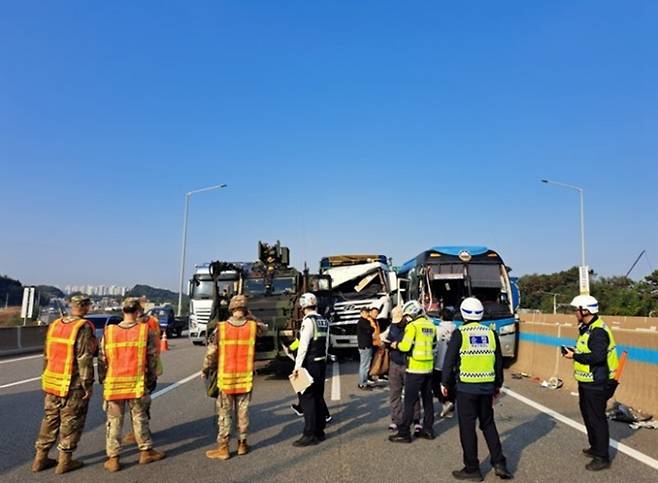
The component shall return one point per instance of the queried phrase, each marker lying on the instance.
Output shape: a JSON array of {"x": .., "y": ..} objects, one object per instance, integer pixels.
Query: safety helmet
[
  {"x": 412, "y": 308},
  {"x": 308, "y": 300},
  {"x": 237, "y": 302},
  {"x": 471, "y": 309},
  {"x": 586, "y": 302}
]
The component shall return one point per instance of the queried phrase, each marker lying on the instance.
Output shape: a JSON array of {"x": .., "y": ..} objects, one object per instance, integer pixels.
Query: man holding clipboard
[{"x": 311, "y": 367}]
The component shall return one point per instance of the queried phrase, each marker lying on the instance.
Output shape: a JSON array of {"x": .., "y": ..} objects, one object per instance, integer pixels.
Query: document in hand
[{"x": 302, "y": 381}]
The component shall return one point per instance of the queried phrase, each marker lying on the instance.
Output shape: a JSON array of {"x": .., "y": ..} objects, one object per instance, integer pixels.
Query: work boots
[
  {"x": 221, "y": 452},
  {"x": 112, "y": 464},
  {"x": 150, "y": 455},
  {"x": 243, "y": 447},
  {"x": 42, "y": 462},
  {"x": 66, "y": 463}
]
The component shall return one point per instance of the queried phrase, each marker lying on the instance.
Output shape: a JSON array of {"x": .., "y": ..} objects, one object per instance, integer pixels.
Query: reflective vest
[
  {"x": 237, "y": 346},
  {"x": 419, "y": 338},
  {"x": 154, "y": 327},
  {"x": 477, "y": 354},
  {"x": 582, "y": 372},
  {"x": 125, "y": 351},
  {"x": 60, "y": 348},
  {"x": 317, "y": 348}
]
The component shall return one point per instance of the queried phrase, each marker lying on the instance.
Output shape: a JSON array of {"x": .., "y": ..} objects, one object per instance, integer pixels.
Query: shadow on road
[{"x": 524, "y": 435}]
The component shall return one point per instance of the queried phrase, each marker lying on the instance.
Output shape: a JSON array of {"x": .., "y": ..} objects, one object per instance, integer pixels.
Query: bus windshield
[{"x": 201, "y": 289}]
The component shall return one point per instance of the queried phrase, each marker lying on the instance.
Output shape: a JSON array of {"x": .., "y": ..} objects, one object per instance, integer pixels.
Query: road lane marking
[
  {"x": 24, "y": 381},
  {"x": 20, "y": 359},
  {"x": 335, "y": 381},
  {"x": 173, "y": 386},
  {"x": 621, "y": 447}
]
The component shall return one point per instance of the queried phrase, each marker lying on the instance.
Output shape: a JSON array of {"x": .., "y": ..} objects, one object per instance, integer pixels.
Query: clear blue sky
[{"x": 347, "y": 126}]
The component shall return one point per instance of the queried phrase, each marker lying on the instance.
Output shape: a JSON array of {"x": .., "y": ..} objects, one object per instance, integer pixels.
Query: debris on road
[
  {"x": 626, "y": 414},
  {"x": 653, "y": 424},
  {"x": 552, "y": 383}
]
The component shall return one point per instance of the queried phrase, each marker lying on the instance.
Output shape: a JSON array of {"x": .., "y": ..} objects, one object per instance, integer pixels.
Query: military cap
[
  {"x": 238, "y": 302},
  {"x": 80, "y": 299}
]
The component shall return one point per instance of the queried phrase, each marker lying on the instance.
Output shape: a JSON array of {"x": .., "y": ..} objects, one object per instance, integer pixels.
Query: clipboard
[{"x": 302, "y": 381}]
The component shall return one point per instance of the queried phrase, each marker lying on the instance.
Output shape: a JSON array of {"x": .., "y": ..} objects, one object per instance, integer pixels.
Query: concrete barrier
[
  {"x": 539, "y": 355},
  {"x": 22, "y": 340}
]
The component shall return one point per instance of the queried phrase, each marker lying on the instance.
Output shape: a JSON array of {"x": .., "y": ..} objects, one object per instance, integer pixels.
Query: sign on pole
[
  {"x": 27, "y": 307},
  {"x": 584, "y": 280}
]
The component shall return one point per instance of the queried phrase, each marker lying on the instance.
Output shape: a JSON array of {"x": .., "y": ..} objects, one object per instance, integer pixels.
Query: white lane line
[
  {"x": 173, "y": 386},
  {"x": 621, "y": 447},
  {"x": 20, "y": 382},
  {"x": 20, "y": 359},
  {"x": 335, "y": 381}
]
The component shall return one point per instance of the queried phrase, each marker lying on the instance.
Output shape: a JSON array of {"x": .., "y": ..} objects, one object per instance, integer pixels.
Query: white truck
[
  {"x": 357, "y": 281},
  {"x": 201, "y": 292}
]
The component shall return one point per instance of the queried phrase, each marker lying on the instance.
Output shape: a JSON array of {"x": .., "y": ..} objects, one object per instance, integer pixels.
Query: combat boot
[
  {"x": 221, "y": 452},
  {"x": 66, "y": 463},
  {"x": 42, "y": 462},
  {"x": 150, "y": 455},
  {"x": 112, "y": 464},
  {"x": 129, "y": 439},
  {"x": 243, "y": 447}
]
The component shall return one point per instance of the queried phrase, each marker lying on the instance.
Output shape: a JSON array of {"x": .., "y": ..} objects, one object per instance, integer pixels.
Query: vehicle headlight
[{"x": 507, "y": 329}]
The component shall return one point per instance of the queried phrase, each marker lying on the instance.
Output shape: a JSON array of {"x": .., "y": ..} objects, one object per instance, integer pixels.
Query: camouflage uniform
[
  {"x": 139, "y": 408},
  {"x": 65, "y": 416},
  {"x": 228, "y": 404}
]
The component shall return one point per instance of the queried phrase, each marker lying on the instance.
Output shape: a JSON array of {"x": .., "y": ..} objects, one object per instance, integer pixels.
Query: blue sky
[{"x": 339, "y": 126}]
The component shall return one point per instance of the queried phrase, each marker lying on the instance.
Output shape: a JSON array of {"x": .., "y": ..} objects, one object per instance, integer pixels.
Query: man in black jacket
[
  {"x": 364, "y": 332},
  {"x": 475, "y": 359}
]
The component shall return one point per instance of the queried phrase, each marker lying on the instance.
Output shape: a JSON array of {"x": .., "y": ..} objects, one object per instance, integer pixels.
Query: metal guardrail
[{"x": 22, "y": 339}]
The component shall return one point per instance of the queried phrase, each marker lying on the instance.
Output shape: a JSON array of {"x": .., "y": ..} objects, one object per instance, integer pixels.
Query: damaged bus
[{"x": 441, "y": 277}]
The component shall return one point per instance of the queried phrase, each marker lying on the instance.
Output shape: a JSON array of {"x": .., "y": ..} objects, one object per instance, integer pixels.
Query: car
[
  {"x": 168, "y": 321},
  {"x": 102, "y": 320}
]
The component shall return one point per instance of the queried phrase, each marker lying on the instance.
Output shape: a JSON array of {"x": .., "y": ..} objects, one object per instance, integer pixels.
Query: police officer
[
  {"x": 67, "y": 380},
  {"x": 419, "y": 341},
  {"x": 127, "y": 368},
  {"x": 595, "y": 364},
  {"x": 312, "y": 355},
  {"x": 474, "y": 356}
]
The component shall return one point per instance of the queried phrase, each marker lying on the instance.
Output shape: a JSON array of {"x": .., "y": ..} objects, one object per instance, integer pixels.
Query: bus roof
[
  {"x": 348, "y": 260},
  {"x": 452, "y": 252}
]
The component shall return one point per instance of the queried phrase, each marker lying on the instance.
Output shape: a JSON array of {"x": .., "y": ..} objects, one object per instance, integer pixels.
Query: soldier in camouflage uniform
[
  {"x": 65, "y": 416},
  {"x": 138, "y": 407},
  {"x": 236, "y": 400}
]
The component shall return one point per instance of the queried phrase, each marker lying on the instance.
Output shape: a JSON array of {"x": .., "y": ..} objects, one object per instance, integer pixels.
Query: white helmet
[
  {"x": 471, "y": 309},
  {"x": 586, "y": 302},
  {"x": 308, "y": 300},
  {"x": 412, "y": 308}
]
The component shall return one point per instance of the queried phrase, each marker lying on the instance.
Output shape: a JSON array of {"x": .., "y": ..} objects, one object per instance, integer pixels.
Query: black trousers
[
  {"x": 312, "y": 401},
  {"x": 415, "y": 386},
  {"x": 470, "y": 408},
  {"x": 592, "y": 406}
]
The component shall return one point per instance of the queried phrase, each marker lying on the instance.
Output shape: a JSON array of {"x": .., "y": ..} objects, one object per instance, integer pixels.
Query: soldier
[
  {"x": 234, "y": 343},
  {"x": 127, "y": 370},
  {"x": 67, "y": 380}
]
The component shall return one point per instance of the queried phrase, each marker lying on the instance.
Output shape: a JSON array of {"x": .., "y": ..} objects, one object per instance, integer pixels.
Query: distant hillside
[
  {"x": 12, "y": 287},
  {"x": 155, "y": 295}
]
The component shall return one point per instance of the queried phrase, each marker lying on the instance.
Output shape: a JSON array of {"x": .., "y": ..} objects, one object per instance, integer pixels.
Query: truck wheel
[
  {"x": 197, "y": 342},
  {"x": 179, "y": 332}
]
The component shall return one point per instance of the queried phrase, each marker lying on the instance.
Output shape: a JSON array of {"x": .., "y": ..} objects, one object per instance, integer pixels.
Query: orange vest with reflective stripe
[
  {"x": 125, "y": 351},
  {"x": 237, "y": 346},
  {"x": 60, "y": 348},
  {"x": 154, "y": 326}
]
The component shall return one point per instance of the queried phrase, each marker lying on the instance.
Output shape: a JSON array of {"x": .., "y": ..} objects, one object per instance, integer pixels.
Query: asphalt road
[{"x": 538, "y": 447}]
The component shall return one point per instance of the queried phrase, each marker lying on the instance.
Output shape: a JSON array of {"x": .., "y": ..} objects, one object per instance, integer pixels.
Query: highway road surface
[{"x": 540, "y": 429}]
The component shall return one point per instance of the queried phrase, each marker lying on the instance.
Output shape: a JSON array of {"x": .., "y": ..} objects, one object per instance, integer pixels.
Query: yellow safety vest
[
  {"x": 583, "y": 372},
  {"x": 477, "y": 354},
  {"x": 419, "y": 338}
]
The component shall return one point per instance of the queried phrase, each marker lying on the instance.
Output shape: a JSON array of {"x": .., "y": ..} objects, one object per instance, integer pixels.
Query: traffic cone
[{"x": 164, "y": 343}]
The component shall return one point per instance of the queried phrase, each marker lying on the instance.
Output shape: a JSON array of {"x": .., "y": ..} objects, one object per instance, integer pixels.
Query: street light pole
[
  {"x": 583, "y": 264},
  {"x": 184, "y": 241}
]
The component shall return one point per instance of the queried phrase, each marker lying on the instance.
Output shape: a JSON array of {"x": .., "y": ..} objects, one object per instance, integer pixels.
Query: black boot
[
  {"x": 426, "y": 434},
  {"x": 598, "y": 464},
  {"x": 502, "y": 472},
  {"x": 463, "y": 474},
  {"x": 306, "y": 441},
  {"x": 588, "y": 452},
  {"x": 400, "y": 438}
]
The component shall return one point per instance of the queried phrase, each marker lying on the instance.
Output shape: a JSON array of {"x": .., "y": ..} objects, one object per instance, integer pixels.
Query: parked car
[
  {"x": 101, "y": 320},
  {"x": 168, "y": 321}
]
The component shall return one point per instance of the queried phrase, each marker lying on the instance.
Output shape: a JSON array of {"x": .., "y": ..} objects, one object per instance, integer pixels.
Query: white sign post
[
  {"x": 584, "y": 280},
  {"x": 27, "y": 307}
]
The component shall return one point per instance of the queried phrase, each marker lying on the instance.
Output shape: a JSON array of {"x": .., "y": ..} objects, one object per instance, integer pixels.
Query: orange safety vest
[
  {"x": 60, "y": 345},
  {"x": 237, "y": 346},
  {"x": 125, "y": 350},
  {"x": 154, "y": 326}
]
